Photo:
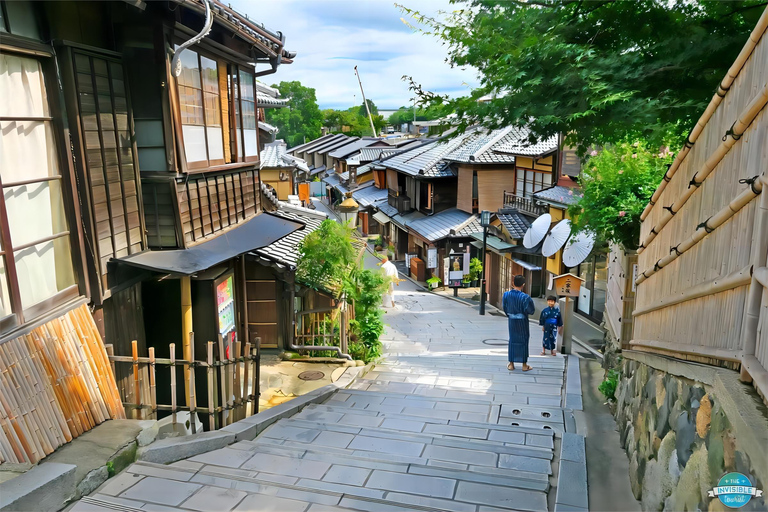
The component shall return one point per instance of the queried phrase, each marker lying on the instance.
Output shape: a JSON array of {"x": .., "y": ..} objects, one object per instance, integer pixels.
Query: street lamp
[
  {"x": 485, "y": 221},
  {"x": 348, "y": 211}
]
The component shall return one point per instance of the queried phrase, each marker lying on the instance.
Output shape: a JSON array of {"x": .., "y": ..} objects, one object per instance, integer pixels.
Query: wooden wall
[
  {"x": 212, "y": 202},
  {"x": 491, "y": 186},
  {"x": 714, "y": 323},
  {"x": 55, "y": 384},
  {"x": 464, "y": 190},
  {"x": 620, "y": 298}
]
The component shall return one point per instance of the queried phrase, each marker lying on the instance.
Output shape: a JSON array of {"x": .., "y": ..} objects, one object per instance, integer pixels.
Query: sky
[{"x": 333, "y": 36}]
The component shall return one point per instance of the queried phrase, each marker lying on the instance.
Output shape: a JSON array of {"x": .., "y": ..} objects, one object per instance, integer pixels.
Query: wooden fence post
[
  {"x": 192, "y": 397},
  {"x": 223, "y": 379},
  {"x": 211, "y": 378},
  {"x": 152, "y": 388},
  {"x": 246, "y": 381},
  {"x": 238, "y": 387},
  {"x": 172, "y": 348},
  {"x": 136, "y": 391}
]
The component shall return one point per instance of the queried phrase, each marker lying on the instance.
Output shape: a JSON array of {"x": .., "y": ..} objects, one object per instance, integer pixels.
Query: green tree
[
  {"x": 302, "y": 119},
  {"x": 371, "y": 105},
  {"x": 617, "y": 183},
  {"x": 599, "y": 71}
]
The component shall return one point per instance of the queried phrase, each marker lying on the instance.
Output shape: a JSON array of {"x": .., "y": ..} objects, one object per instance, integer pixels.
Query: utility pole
[{"x": 365, "y": 102}]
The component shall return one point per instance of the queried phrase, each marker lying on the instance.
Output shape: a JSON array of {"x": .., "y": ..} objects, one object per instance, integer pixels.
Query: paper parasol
[
  {"x": 578, "y": 248},
  {"x": 537, "y": 231},
  {"x": 556, "y": 238}
]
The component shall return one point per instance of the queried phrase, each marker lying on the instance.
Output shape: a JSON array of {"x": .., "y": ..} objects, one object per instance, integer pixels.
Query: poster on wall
[
  {"x": 225, "y": 303},
  {"x": 446, "y": 266},
  {"x": 456, "y": 266},
  {"x": 585, "y": 298},
  {"x": 634, "y": 277},
  {"x": 432, "y": 257}
]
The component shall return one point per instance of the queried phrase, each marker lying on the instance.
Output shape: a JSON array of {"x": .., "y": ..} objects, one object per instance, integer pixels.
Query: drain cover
[
  {"x": 491, "y": 340},
  {"x": 313, "y": 375}
]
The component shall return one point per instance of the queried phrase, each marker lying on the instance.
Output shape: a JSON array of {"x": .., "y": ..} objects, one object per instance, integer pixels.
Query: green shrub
[
  {"x": 608, "y": 386},
  {"x": 475, "y": 269}
]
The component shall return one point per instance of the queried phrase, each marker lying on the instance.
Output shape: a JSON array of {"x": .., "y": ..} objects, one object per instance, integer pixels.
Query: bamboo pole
[
  {"x": 152, "y": 389},
  {"x": 192, "y": 397},
  {"x": 695, "y": 350},
  {"x": 723, "y": 88},
  {"x": 187, "y": 327},
  {"x": 732, "y": 136},
  {"x": 246, "y": 381},
  {"x": 110, "y": 354},
  {"x": 237, "y": 383},
  {"x": 211, "y": 383},
  {"x": 707, "y": 227},
  {"x": 172, "y": 348},
  {"x": 223, "y": 378},
  {"x": 136, "y": 393},
  {"x": 230, "y": 383},
  {"x": 256, "y": 358}
]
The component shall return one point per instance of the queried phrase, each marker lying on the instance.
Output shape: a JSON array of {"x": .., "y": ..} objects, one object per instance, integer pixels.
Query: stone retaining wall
[{"x": 678, "y": 437}]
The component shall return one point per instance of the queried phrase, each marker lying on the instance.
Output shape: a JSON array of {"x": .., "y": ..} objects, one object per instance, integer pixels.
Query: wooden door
[{"x": 262, "y": 311}]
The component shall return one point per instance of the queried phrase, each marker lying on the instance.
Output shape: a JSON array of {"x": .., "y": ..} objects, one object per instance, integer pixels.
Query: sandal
[
  {"x": 511, "y": 366},
  {"x": 543, "y": 353},
  {"x": 554, "y": 352},
  {"x": 527, "y": 368}
]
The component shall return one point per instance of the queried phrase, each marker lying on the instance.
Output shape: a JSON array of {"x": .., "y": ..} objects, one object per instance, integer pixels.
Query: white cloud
[{"x": 332, "y": 36}]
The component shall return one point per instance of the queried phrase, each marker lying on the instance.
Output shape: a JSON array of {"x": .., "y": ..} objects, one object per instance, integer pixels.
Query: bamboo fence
[
  {"x": 705, "y": 233},
  {"x": 55, "y": 384},
  {"x": 230, "y": 396}
]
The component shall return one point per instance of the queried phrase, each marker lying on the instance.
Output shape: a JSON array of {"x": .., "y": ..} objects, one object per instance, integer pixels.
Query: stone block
[
  {"x": 242, "y": 430},
  {"x": 177, "y": 448},
  {"x": 45, "y": 487},
  {"x": 148, "y": 434},
  {"x": 572, "y": 448},
  {"x": 347, "y": 475},
  {"x": 572, "y": 484},
  {"x": 435, "y": 487},
  {"x": 214, "y": 498},
  {"x": 161, "y": 490},
  {"x": 92, "y": 481},
  {"x": 504, "y": 497}
]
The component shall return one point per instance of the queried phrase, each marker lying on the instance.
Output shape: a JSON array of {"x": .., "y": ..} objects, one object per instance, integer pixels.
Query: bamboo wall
[
  {"x": 55, "y": 384},
  {"x": 620, "y": 298},
  {"x": 711, "y": 325}
]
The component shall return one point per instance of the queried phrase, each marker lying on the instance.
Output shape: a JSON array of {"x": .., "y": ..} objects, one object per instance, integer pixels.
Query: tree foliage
[
  {"x": 405, "y": 114},
  {"x": 354, "y": 121},
  {"x": 618, "y": 182},
  {"x": 301, "y": 119},
  {"x": 599, "y": 71}
]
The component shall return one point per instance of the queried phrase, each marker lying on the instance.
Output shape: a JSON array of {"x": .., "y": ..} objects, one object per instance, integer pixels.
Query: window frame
[
  {"x": 19, "y": 315},
  {"x": 536, "y": 180},
  {"x": 236, "y": 113}
]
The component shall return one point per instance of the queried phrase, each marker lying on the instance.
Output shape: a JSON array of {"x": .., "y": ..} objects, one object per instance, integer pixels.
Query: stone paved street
[{"x": 439, "y": 424}]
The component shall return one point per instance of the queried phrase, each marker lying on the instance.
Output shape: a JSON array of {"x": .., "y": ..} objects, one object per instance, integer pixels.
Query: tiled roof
[
  {"x": 286, "y": 250},
  {"x": 516, "y": 142},
  {"x": 334, "y": 144},
  {"x": 332, "y": 180},
  {"x": 265, "y": 101},
  {"x": 480, "y": 149},
  {"x": 268, "y": 127},
  {"x": 353, "y": 147},
  {"x": 384, "y": 206},
  {"x": 265, "y": 89},
  {"x": 371, "y": 154},
  {"x": 427, "y": 159},
  {"x": 312, "y": 143},
  {"x": 268, "y": 193},
  {"x": 354, "y": 160},
  {"x": 316, "y": 170},
  {"x": 369, "y": 195},
  {"x": 439, "y": 226},
  {"x": 515, "y": 222},
  {"x": 559, "y": 194},
  {"x": 275, "y": 155}
]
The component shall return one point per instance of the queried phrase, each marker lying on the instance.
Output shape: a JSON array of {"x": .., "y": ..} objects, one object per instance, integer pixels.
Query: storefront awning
[
  {"x": 380, "y": 218},
  {"x": 495, "y": 244},
  {"x": 255, "y": 233},
  {"x": 526, "y": 265}
]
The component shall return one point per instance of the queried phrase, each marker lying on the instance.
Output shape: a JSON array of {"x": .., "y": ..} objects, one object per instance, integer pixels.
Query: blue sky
[{"x": 332, "y": 36}]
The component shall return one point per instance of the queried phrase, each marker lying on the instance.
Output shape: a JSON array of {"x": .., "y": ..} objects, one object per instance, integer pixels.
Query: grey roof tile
[
  {"x": 312, "y": 143},
  {"x": 515, "y": 222},
  {"x": 331, "y": 145},
  {"x": 353, "y": 147},
  {"x": 275, "y": 156},
  {"x": 439, "y": 226},
  {"x": 517, "y": 142},
  {"x": 559, "y": 194},
  {"x": 367, "y": 196},
  {"x": 266, "y": 101},
  {"x": 384, "y": 206},
  {"x": 286, "y": 250},
  {"x": 427, "y": 159}
]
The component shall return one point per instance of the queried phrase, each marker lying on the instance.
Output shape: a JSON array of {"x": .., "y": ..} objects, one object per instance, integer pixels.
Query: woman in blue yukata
[
  {"x": 518, "y": 305},
  {"x": 551, "y": 322}
]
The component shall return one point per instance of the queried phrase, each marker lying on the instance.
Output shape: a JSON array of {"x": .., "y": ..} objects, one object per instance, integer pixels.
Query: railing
[
  {"x": 232, "y": 395},
  {"x": 327, "y": 327},
  {"x": 523, "y": 204}
]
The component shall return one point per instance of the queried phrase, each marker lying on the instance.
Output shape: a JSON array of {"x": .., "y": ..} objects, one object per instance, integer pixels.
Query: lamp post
[
  {"x": 348, "y": 211},
  {"x": 485, "y": 221}
]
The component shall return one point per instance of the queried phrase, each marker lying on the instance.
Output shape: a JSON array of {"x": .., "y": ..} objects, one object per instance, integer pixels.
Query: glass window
[
  {"x": 248, "y": 137},
  {"x": 200, "y": 109},
  {"x": 36, "y": 248}
]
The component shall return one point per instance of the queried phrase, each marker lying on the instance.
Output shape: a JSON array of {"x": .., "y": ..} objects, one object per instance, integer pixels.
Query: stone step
[
  {"x": 517, "y": 434},
  {"x": 499, "y": 368},
  {"x": 441, "y": 376},
  {"x": 495, "y": 386},
  {"x": 503, "y": 477},
  {"x": 523, "y": 415},
  {"x": 449, "y": 392},
  {"x": 415, "y": 448}
]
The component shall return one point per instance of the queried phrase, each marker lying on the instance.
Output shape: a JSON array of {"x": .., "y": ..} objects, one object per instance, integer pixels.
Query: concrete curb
[
  {"x": 572, "y": 494},
  {"x": 46, "y": 487}
]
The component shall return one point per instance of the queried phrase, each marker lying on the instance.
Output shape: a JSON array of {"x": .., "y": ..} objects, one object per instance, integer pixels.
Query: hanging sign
[
  {"x": 634, "y": 277},
  {"x": 456, "y": 267},
  {"x": 568, "y": 285},
  {"x": 432, "y": 257}
]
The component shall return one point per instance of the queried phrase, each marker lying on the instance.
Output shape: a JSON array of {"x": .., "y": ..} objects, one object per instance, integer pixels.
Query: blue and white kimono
[
  {"x": 551, "y": 319},
  {"x": 518, "y": 305}
]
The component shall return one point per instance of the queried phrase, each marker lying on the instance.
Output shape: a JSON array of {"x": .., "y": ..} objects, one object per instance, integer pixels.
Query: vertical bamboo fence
[
  {"x": 701, "y": 286},
  {"x": 327, "y": 326},
  {"x": 229, "y": 371},
  {"x": 55, "y": 384}
]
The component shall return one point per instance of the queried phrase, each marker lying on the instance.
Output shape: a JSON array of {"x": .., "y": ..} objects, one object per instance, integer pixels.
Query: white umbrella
[
  {"x": 537, "y": 231},
  {"x": 556, "y": 238},
  {"x": 578, "y": 248}
]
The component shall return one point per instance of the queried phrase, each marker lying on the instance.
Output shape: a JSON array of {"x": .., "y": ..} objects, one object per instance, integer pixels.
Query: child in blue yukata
[{"x": 551, "y": 322}]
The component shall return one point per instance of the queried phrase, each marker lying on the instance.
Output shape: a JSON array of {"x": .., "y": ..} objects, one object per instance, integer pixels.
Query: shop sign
[
  {"x": 568, "y": 285},
  {"x": 432, "y": 257}
]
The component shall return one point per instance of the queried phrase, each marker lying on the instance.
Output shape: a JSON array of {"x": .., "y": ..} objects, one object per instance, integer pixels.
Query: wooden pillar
[{"x": 186, "y": 329}]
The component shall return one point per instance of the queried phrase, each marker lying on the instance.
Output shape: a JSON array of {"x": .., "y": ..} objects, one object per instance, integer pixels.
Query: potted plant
[
  {"x": 391, "y": 252},
  {"x": 466, "y": 281},
  {"x": 433, "y": 282},
  {"x": 475, "y": 270}
]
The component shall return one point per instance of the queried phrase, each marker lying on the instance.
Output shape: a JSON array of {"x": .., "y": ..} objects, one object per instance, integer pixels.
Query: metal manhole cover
[{"x": 311, "y": 375}]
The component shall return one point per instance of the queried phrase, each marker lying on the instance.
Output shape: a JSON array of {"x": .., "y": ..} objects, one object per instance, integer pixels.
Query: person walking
[
  {"x": 390, "y": 270},
  {"x": 551, "y": 322},
  {"x": 518, "y": 305}
]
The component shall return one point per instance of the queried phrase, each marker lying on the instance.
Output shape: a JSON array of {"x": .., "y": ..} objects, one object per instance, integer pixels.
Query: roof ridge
[
  {"x": 504, "y": 132},
  {"x": 282, "y": 205}
]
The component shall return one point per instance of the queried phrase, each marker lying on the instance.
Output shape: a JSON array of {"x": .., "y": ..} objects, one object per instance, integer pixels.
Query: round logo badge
[{"x": 734, "y": 490}]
